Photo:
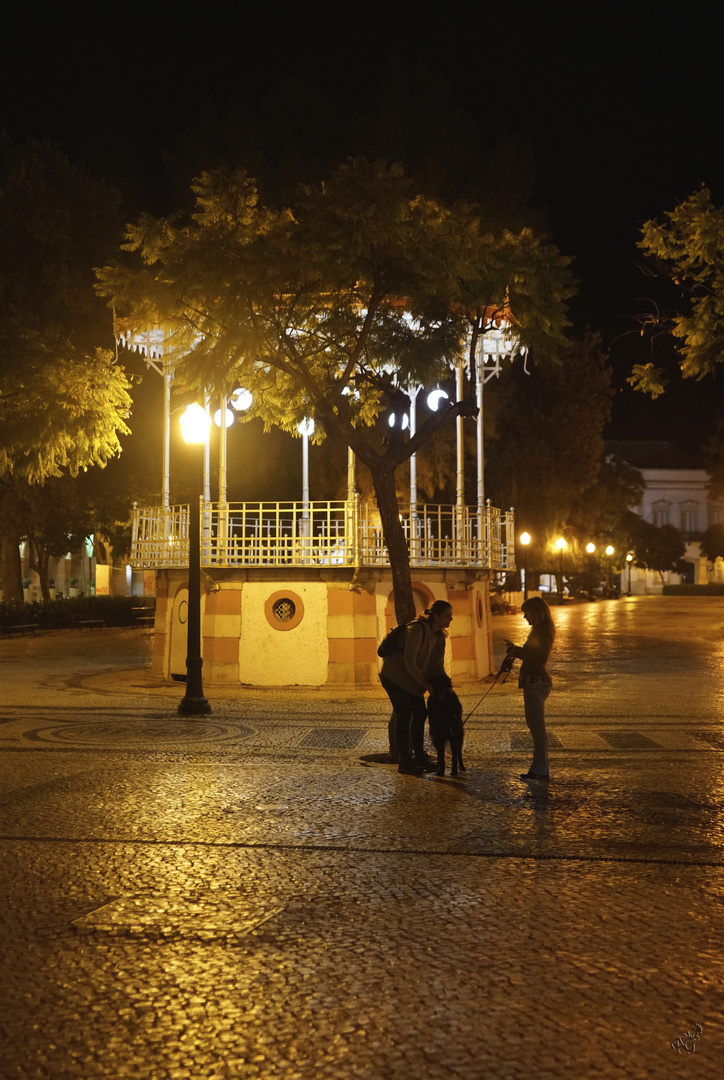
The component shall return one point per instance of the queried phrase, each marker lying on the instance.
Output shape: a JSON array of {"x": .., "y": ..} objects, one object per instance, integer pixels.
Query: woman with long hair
[
  {"x": 535, "y": 681},
  {"x": 407, "y": 674}
]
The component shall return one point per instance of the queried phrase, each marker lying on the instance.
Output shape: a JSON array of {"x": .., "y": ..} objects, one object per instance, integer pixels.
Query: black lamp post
[{"x": 195, "y": 429}]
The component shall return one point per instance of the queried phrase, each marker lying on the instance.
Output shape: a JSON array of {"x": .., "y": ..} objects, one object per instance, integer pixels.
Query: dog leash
[{"x": 505, "y": 668}]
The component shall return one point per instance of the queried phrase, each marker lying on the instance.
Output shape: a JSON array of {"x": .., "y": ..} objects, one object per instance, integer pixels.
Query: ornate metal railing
[{"x": 322, "y": 534}]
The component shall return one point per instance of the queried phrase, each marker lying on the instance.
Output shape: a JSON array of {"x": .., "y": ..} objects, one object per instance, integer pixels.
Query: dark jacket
[{"x": 422, "y": 657}]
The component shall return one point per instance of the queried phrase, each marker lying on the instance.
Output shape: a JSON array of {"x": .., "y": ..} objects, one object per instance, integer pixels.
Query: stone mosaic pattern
[{"x": 249, "y": 895}]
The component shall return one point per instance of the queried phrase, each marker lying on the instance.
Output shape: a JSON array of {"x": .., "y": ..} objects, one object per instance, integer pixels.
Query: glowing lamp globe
[
  {"x": 434, "y": 398},
  {"x": 195, "y": 425},
  {"x": 241, "y": 399},
  {"x": 227, "y": 419}
]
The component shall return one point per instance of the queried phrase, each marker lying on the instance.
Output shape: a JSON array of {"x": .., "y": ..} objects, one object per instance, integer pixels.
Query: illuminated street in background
[{"x": 254, "y": 894}]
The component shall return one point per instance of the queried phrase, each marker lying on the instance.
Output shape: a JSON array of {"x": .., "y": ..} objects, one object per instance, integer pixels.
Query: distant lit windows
[{"x": 716, "y": 514}]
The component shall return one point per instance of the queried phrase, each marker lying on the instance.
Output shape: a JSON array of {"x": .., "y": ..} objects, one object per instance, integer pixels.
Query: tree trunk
[
  {"x": 12, "y": 571},
  {"x": 394, "y": 536},
  {"x": 43, "y": 564}
]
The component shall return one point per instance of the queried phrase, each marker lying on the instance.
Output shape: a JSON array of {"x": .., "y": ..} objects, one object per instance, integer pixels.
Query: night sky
[{"x": 624, "y": 108}]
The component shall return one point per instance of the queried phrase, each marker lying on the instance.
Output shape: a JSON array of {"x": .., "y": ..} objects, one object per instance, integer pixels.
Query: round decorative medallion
[{"x": 284, "y": 610}]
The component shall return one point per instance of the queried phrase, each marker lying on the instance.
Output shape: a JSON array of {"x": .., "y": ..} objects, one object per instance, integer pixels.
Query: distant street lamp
[
  {"x": 195, "y": 430},
  {"x": 525, "y": 540},
  {"x": 561, "y": 545},
  {"x": 629, "y": 560}
]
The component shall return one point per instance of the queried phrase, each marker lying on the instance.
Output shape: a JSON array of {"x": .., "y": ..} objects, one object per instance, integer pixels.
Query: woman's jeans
[
  {"x": 410, "y": 717},
  {"x": 534, "y": 699}
]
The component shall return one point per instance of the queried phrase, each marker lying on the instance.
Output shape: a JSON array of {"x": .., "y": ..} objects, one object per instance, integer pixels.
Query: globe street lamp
[
  {"x": 195, "y": 431},
  {"x": 629, "y": 560},
  {"x": 525, "y": 540}
]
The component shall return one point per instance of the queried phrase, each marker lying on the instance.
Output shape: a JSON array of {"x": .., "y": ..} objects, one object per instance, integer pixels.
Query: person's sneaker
[{"x": 409, "y": 768}]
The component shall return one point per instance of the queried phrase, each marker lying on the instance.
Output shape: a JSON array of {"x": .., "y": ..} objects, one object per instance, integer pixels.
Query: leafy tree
[
  {"x": 545, "y": 436},
  {"x": 687, "y": 248},
  {"x": 712, "y": 542},
  {"x": 297, "y": 134},
  {"x": 602, "y": 509},
  {"x": 332, "y": 306},
  {"x": 62, "y": 399},
  {"x": 659, "y": 548}
]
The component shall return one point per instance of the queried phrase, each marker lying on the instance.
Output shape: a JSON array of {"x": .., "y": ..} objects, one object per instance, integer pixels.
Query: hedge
[
  {"x": 713, "y": 589},
  {"x": 59, "y": 614}
]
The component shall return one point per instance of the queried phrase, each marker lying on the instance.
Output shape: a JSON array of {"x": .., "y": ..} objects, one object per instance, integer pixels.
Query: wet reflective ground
[{"x": 251, "y": 895}]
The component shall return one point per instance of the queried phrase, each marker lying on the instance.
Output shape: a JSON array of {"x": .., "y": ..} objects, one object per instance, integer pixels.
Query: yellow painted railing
[{"x": 322, "y": 534}]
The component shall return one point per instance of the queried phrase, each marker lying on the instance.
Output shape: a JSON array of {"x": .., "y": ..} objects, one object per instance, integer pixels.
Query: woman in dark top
[{"x": 535, "y": 681}]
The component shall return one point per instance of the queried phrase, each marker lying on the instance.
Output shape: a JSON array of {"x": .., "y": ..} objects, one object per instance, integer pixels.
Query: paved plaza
[{"x": 253, "y": 894}]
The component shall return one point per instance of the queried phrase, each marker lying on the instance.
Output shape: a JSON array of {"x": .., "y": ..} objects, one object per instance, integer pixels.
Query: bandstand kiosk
[{"x": 299, "y": 593}]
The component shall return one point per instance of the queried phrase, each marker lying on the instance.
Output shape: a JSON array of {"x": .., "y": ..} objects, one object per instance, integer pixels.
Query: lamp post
[
  {"x": 195, "y": 430},
  {"x": 561, "y": 545},
  {"x": 609, "y": 552},
  {"x": 305, "y": 429},
  {"x": 629, "y": 560},
  {"x": 525, "y": 540}
]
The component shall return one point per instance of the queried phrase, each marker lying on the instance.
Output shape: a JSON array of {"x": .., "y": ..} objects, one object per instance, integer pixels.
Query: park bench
[
  {"x": 20, "y": 628},
  {"x": 89, "y": 624},
  {"x": 143, "y": 616}
]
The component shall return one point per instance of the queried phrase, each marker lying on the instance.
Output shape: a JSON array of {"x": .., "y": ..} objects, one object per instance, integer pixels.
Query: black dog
[{"x": 445, "y": 716}]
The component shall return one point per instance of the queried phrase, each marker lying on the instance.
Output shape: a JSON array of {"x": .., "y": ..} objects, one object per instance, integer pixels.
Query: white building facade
[{"x": 676, "y": 492}]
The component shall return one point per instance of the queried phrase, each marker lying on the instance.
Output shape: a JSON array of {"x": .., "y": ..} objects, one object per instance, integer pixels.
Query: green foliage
[
  {"x": 315, "y": 306},
  {"x": 330, "y": 307},
  {"x": 602, "y": 509},
  {"x": 296, "y": 135},
  {"x": 659, "y": 548},
  {"x": 687, "y": 247},
  {"x": 62, "y": 397},
  {"x": 712, "y": 542},
  {"x": 545, "y": 446},
  {"x": 714, "y": 460}
]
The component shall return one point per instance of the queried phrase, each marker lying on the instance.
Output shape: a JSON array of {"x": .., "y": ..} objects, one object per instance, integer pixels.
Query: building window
[
  {"x": 716, "y": 514},
  {"x": 688, "y": 519},
  {"x": 661, "y": 514}
]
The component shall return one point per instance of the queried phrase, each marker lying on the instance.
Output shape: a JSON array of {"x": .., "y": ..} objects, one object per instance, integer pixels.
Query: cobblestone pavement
[{"x": 251, "y": 894}]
